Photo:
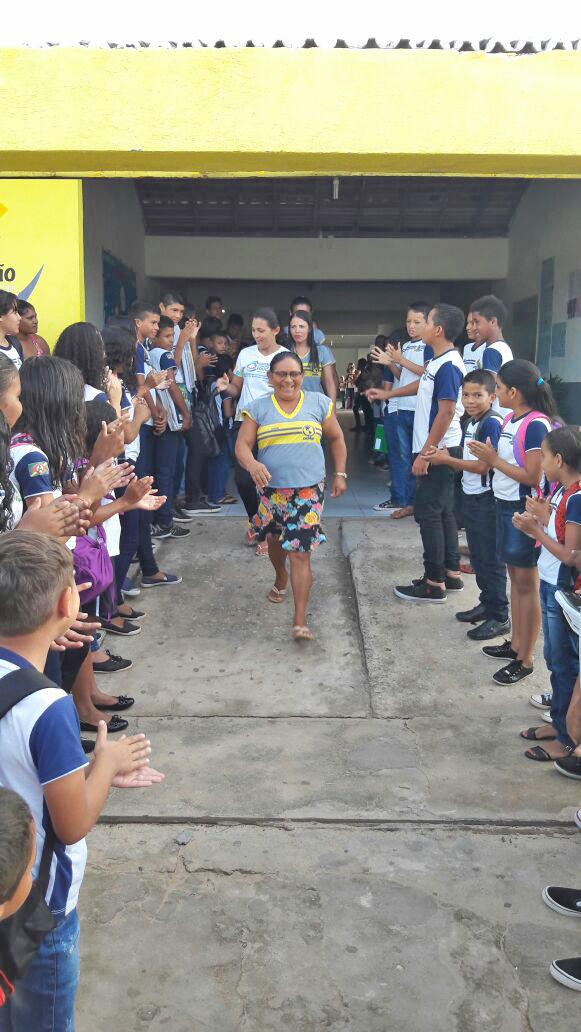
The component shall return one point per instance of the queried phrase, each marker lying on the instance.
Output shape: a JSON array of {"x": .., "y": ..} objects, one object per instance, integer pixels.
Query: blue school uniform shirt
[
  {"x": 441, "y": 381},
  {"x": 472, "y": 482},
  {"x": 39, "y": 744},
  {"x": 289, "y": 443},
  {"x": 505, "y": 488}
]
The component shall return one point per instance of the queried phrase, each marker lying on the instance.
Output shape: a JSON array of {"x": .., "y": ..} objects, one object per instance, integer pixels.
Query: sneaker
[
  {"x": 112, "y": 665},
  {"x": 512, "y": 672},
  {"x": 201, "y": 508},
  {"x": 569, "y": 767},
  {"x": 129, "y": 589},
  {"x": 504, "y": 651},
  {"x": 179, "y": 515},
  {"x": 386, "y": 506},
  {"x": 127, "y": 629},
  {"x": 571, "y": 605},
  {"x": 452, "y": 583},
  {"x": 422, "y": 592},
  {"x": 180, "y": 532},
  {"x": 541, "y": 701},
  {"x": 160, "y": 532},
  {"x": 99, "y": 638},
  {"x": 546, "y": 716},
  {"x": 564, "y": 901},
  {"x": 489, "y": 629},
  {"x": 474, "y": 615},
  {"x": 169, "y": 579},
  {"x": 567, "y": 972}
]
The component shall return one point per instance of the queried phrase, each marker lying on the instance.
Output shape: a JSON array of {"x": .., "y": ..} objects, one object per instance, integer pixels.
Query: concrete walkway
[{"x": 348, "y": 837}]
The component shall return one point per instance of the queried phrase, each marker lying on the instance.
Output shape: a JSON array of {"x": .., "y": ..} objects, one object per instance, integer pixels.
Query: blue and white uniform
[
  {"x": 39, "y": 744},
  {"x": 548, "y": 564},
  {"x": 472, "y": 482},
  {"x": 505, "y": 488},
  {"x": 11, "y": 350},
  {"x": 414, "y": 351},
  {"x": 441, "y": 381}
]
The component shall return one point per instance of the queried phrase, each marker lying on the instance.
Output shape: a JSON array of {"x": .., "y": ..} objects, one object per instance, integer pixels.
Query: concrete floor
[{"x": 349, "y": 836}]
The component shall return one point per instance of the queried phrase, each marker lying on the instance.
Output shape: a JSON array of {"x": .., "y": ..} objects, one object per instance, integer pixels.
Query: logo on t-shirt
[
  {"x": 37, "y": 469},
  {"x": 309, "y": 432}
]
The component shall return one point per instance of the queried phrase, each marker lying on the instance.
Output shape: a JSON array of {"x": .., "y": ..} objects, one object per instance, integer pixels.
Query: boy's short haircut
[
  {"x": 301, "y": 301},
  {"x": 34, "y": 569},
  {"x": 220, "y": 334},
  {"x": 484, "y": 377},
  {"x": 209, "y": 326},
  {"x": 212, "y": 300},
  {"x": 165, "y": 323},
  {"x": 491, "y": 307},
  {"x": 450, "y": 318},
  {"x": 171, "y": 297},
  {"x": 420, "y": 306},
  {"x": 16, "y": 835},
  {"x": 139, "y": 309}
]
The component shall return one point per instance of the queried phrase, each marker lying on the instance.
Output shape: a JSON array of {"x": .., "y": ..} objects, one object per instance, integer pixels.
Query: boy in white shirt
[{"x": 489, "y": 350}]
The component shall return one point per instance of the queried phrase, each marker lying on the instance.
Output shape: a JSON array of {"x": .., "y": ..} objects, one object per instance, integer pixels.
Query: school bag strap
[
  {"x": 566, "y": 573},
  {"x": 486, "y": 478},
  {"x": 518, "y": 442}
]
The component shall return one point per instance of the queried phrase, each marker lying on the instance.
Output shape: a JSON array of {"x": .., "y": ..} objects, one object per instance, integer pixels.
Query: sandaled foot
[
  {"x": 400, "y": 514},
  {"x": 261, "y": 549},
  {"x": 302, "y": 634},
  {"x": 556, "y": 751},
  {"x": 275, "y": 595},
  {"x": 538, "y": 734}
]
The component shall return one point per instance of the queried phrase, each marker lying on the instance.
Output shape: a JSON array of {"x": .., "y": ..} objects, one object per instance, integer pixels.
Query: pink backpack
[{"x": 518, "y": 443}]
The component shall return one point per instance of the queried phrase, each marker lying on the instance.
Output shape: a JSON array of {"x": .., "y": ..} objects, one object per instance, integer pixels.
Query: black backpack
[
  {"x": 22, "y": 933},
  {"x": 486, "y": 478}
]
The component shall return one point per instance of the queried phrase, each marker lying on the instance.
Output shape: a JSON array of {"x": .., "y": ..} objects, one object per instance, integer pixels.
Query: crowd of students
[{"x": 120, "y": 438}]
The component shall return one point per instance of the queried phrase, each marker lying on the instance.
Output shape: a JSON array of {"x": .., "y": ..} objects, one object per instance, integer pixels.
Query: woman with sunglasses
[{"x": 287, "y": 427}]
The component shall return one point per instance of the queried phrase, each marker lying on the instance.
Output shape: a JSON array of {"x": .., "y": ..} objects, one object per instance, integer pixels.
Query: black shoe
[
  {"x": 564, "y": 901},
  {"x": 489, "y": 629},
  {"x": 88, "y": 745},
  {"x": 160, "y": 532},
  {"x": 512, "y": 672},
  {"x": 123, "y": 702},
  {"x": 127, "y": 630},
  {"x": 504, "y": 651},
  {"x": 201, "y": 508},
  {"x": 452, "y": 583},
  {"x": 421, "y": 592},
  {"x": 179, "y": 532},
  {"x": 180, "y": 516},
  {"x": 473, "y": 615},
  {"x": 569, "y": 767},
  {"x": 112, "y": 666},
  {"x": 567, "y": 972},
  {"x": 115, "y": 724}
]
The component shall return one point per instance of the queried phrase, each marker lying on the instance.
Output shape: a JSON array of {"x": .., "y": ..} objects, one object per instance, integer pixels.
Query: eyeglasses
[{"x": 285, "y": 376}]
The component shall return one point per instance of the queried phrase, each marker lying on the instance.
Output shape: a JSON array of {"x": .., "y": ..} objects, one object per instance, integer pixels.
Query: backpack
[
  {"x": 518, "y": 443},
  {"x": 568, "y": 577},
  {"x": 486, "y": 478},
  {"x": 23, "y": 932}
]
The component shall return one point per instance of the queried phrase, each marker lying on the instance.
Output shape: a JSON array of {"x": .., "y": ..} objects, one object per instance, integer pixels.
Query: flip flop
[
  {"x": 530, "y": 735},
  {"x": 539, "y": 754},
  {"x": 401, "y": 514},
  {"x": 276, "y": 596},
  {"x": 302, "y": 633},
  {"x": 261, "y": 549}
]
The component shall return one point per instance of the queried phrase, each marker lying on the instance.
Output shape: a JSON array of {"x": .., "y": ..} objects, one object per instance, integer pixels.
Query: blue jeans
[
  {"x": 394, "y": 458},
  {"x": 44, "y": 1000},
  {"x": 160, "y": 454},
  {"x": 218, "y": 470},
  {"x": 561, "y": 654},
  {"x": 480, "y": 522},
  {"x": 405, "y": 434}
]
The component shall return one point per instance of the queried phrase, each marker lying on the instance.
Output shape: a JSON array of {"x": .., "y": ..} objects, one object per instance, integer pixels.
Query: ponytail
[{"x": 527, "y": 379}]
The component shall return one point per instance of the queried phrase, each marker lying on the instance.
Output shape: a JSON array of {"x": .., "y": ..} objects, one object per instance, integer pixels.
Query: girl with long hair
[
  {"x": 318, "y": 360},
  {"x": 517, "y": 476},
  {"x": 82, "y": 344}
]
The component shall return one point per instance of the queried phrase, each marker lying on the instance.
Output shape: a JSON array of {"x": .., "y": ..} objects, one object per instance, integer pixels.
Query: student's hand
[
  {"x": 126, "y": 755},
  {"x": 206, "y": 359},
  {"x": 527, "y": 523},
  {"x": 420, "y": 466},
  {"x": 109, "y": 443},
  {"x": 379, "y": 356},
  {"x": 576, "y": 558},
  {"x": 151, "y": 502},
  {"x": 190, "y": 331},
  {"x": 140, "y": 410},
  {"x": 137, "y": 489},
  {"x": 59, "y": 519},
  {"x": 260, "y": 475},
  {"x": 79, "y": 633},
  {"x": 99, "y": 482},
  {"x": 375, "y": 394},
  {"x": 158, "y": 379},
  {"x": 159, "y": 420},
  {"x": 113, "y": 386},
  {"x": 143, "y": 777},
  {"x": 84, "y": 515},
  {"x": 393, "y": 354},
  {"x": 540, "y": 508},
  {"x": 485, "y": 452},
  {"x": 435, "y": 455},
  {"x": 222, "y": 383},
  {"x": 339, "y": 486},
  {"x": 186, "y": 422}
]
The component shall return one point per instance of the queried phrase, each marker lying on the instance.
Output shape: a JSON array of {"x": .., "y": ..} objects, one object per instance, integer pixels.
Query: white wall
[
  {"x": 547, "y": 224},
  {"x": 329, "y": 258},
  {"x": 112, "y": 222}
]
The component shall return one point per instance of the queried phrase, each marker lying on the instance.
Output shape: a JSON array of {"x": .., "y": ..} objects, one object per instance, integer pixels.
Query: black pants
[
  {"x": 480, "y": 522},
  {"x": 244, "y": 482},
  {"x": 195, "y": 460},
  {"x": 434, "y": 512},
  {"x": 362, "y": 404}
]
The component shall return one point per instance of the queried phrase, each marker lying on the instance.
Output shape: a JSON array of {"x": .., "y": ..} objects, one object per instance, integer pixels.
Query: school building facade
[{"x": 364, "y": 175}]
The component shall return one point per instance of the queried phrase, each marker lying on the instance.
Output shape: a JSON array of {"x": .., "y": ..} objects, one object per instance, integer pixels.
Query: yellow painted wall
[
  {"x": 90, "y": 112},
  {"x": 41, "y": 249}
]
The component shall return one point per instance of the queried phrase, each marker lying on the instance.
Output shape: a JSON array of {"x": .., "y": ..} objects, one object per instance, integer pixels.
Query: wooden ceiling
[{"x": 344, "y": 207}]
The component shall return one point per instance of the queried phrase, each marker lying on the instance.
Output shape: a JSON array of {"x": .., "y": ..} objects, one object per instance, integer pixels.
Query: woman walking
[
  {"x": 318, "y": 360},
  {"x": 289, "y": 473}
]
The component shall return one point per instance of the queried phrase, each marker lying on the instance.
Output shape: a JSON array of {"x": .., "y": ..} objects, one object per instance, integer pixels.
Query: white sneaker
[
  {"x": 542, "y": 700},
  {"x": 387, "y": 506},
  {"x": 547, "y": 717}
]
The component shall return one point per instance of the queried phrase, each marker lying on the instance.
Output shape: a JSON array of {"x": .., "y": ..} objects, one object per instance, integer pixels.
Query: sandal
[
  {"x": 276, "y": 595},
  {"x": 542, "y": 755},
  {"x": 261, "y": 548},
  {"x": 531, "y": 735},
  {"x": 302, "y": 634}
]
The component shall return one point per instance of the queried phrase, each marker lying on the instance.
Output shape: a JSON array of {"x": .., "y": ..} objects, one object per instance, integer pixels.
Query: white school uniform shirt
[
  {"x": 253, "y": 367},
  {"x": 441, "y": 381},
  {"x": 548, "y": 564},
  {"x": 30, "y": 476},
  {"x": 414, "y": 351},
  {"x": 93, "y": 394},
  {"x": 39, "y": 744},
  {"x": 505, "y": 488},
  {"x": 472, "y": 482},
  {"x": 11, "y": 352},
  {"x": 491, "y": 357}
]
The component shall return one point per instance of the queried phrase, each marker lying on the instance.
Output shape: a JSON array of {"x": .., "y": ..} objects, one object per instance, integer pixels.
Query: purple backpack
[{"x": 92, "y": 563}]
